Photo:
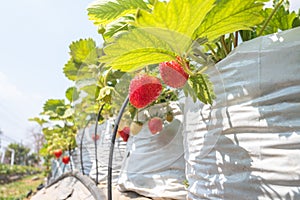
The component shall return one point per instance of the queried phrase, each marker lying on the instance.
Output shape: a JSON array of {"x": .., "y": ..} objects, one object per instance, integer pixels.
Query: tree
[{"x": 21, "y": 153}]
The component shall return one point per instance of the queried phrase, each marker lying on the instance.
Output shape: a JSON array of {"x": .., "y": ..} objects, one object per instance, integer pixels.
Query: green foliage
[
  {"x": 83, "y": 61},
  {"x": 9, "y": 170},
  {"x": 199, "y": 87},
  {"x": 229, "y": 16},
  {"x": 84, "y": 51},
  {"x": 21, "y": 153},
  {"x": 72, "y": 94},
  {"x": 104, "y": 13},
  {"x": 282, "y": 20}
]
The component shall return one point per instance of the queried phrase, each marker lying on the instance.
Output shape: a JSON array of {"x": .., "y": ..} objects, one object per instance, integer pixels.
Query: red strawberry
[
  {"x": 124, "y": 133},
  {"x": 143, "y": 90},
  {"x": 173, "y": 74},
  {"x": 155, "y": 125},
  {"x": 57, "y": 153},
  {"x": 95, "y": 137},
  {"x": 65, "y": 159}
]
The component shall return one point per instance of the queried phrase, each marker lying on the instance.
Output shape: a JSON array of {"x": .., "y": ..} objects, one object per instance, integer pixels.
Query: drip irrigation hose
[
  {"x": 95, "y": 141},
  {"x": 111, "y": 151},
  {"x": 70, "y": 156}
]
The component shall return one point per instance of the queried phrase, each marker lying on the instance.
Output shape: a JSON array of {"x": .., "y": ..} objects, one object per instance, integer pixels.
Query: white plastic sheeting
[
  {"x": 103, "y": 147},
  {"x": 154, "y": 166},
  {"x": 247, "y": 144}
]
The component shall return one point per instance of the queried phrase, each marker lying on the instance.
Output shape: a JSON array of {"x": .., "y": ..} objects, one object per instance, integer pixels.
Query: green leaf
[
  {"x": 282, "y": 20},
  {"x": 70, "y": 70},
  {"x": 72, "y": 94},
  {"x": 229, "y": 16},
  {"x": 84, "y": 51},
  {"x": 40, "y": 121},
  {"x": 200, "y": 87},
  {"x": 53, "y": 104},
  {"x": 104, "y": 12},
  {"x": 136, "y": 49},
  {"x": 180, "y": 16},
  {"x": 68, "y": 113}
]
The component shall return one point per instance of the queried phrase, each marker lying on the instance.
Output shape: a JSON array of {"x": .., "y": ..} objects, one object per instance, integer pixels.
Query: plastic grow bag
[
  {"x": 247, "y": 144},
  {"x": 103, "y": 147},
  {"x": 154, "y": 166}
]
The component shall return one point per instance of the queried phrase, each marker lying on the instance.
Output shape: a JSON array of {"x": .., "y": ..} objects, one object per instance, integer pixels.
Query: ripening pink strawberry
[
  {"x": 143, "y": 90},
  {"x": 155, "y": 125},
  {"x": 173, "y": 74}
]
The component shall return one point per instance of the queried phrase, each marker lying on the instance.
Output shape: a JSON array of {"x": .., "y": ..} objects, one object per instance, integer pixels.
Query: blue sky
[{"x": 34, "y": 40}]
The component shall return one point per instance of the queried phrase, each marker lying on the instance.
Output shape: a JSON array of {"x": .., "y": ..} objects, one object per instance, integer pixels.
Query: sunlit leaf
[
  {"x": 104, "y": 12},
  {"x": 84, "y": 51},
  {"x": 53, "y": 104},
  {"x": 229, "y": 16},
  {"x": 72, "y": 94},
  {"x": 136, "y": 49}
]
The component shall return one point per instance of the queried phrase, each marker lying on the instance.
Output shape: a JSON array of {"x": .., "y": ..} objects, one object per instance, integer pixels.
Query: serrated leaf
[
  {"x": 202, "y": 88},
  {"x": 72, "y": 94},
  {"x": 104, "y": 12},
  {"x": 282, "y": 20},
  {"x": 114, "y": 28},
  {"x": 180, "y": 16},
  {"x": 84, "y": 51},
  {"x": 53, "y": 104},
  {"x": 70, "y": 70},
  {"x": 40, "y": 121},
  {"x": 229, "y": 16},
  {"x": 136, "y": 49}
]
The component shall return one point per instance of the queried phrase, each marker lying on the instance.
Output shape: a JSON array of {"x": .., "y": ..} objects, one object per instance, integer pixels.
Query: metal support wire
[{"x": 111, "y": 151}]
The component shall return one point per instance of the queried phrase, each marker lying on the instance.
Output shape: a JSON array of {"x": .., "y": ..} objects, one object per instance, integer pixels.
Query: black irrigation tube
[
  {"x": 70, "y": 156},
  {"x": 86, "y": 181},
  {"x": 95, "y": 141},
  {"x": 81, "y": 143},
  {"x": 111, "y": 151}
]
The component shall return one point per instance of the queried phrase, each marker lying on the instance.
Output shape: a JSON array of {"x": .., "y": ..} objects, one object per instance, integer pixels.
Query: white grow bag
[
  {"x": 247, "y": 144},
  {"x": 155, "y": 166}
]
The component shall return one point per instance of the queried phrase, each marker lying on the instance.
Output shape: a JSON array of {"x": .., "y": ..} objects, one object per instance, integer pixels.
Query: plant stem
[
  {"x": 236, "y": 39},
  {"x": 185, "y": 67},
  {"x": 213, "y": 52},
  {"x": 269, "y": 18},
  {"x": 224, "y": 46}
]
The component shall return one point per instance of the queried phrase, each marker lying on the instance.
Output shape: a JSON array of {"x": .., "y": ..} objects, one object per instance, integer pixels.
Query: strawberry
[
  {"x": 135, "y": 127},
  {"x": 143, "y": 90},
  {"x": 65, "y": 159},
  {"x": 124, "y": 133},
  {"x": 155, "y": 125},
  {"x": 173, "y": 74},
  {"x": 169, "y": 117},
  {"x": 57, "y": 153},
  {"x": 95, "y": 137}
]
